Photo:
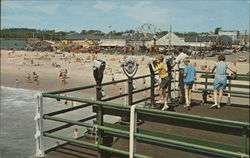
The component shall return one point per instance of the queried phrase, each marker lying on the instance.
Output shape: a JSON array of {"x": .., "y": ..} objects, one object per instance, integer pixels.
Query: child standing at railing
[
  {"x": 189, "y": 77},
  {"x": 165, "y": 80},
  {"x": 220, "y": 80}
]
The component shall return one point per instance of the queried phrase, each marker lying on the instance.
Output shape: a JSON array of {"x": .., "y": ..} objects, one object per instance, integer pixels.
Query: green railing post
[
  {"x": 229, "y": 94},
  {"x": 99, "y": 119},
  {"x": 152, "y": 85},
  {"x": 130, "y": 91},
  {"x": 244, "y": 140},
  {"x": 204, "y": 96},
  {"x": 98, "y": 69}
]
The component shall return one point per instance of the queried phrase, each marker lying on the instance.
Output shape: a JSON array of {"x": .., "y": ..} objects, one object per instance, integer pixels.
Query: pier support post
[{"x": 39, "y": 127}]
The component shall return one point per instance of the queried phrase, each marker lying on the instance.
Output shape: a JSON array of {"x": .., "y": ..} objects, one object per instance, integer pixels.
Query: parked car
[
  {"x": 242, "y": 59},
  {"x": 227, "y": 52},
  {"x": 216, "y": 53},
  {"x": 210, "y": 54}
]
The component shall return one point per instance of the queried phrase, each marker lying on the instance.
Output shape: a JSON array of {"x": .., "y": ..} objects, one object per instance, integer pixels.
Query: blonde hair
[
  {"x": 160, "y": 57},
  {"x": 186, "y": 60}
]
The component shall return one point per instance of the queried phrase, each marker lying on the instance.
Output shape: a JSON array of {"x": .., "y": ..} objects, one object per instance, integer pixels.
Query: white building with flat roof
[{"x": 232, "y": 34}]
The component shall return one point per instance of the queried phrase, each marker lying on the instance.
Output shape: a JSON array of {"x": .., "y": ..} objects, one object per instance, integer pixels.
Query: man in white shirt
[{"x": 179, "y": 61}]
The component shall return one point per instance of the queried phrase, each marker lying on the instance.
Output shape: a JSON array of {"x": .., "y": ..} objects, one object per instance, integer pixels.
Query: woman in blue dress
[{"x": 220, "y": 80}]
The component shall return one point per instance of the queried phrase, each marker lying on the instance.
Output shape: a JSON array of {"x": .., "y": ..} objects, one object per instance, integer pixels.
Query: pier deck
[{"x": 72, "y": 150}]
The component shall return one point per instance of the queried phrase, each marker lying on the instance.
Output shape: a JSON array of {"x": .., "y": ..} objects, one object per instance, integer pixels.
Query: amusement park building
[{"x": 110, "y": 41}]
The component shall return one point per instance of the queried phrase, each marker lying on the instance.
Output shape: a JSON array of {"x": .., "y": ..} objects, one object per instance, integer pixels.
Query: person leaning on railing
[
  {"x": 189, "y": 77},
  {"x": 220, "y": 80},
  {"x": 165, "y": 80},
  {"x": 179, "y": 61}
]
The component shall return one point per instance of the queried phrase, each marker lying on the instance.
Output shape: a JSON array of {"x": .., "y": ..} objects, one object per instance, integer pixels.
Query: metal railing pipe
[
  {"x": 84, "y": 124},
  {"x": 102, "y": 147},
  {"x": 68, "y": 109},
  {"x": 139, "y": 77},
  {"x": 191, "y": 120},
  {"x": 69, "y": 124},
  {"x": 72, "y": 89},
  {"x": 141, "y": 100},
  {"x": 86, "y": 101},
  {"x": 115, "y": 97},
  {"x": 113, "y": 82},
  {"x": 195, "y": 117},
  {"x": 67, "y": 121},
  {"x": 225, "y": 152},
  {"x": 141, "y": 90}
]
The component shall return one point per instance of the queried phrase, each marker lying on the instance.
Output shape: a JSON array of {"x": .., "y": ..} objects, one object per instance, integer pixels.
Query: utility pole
[
  {"x": 245, "y": 38},
  {"x": 195, "y": 44},
  {"x": 170, "y": 37},
  {"x": 110, "y": 31}
]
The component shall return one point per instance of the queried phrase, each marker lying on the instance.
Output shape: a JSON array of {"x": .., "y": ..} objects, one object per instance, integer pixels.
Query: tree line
[{"x": 26, "y": 33}]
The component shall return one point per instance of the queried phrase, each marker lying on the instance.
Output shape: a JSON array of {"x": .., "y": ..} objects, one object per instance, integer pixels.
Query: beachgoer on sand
[
  {"x": 220, "y": 80},
  {"x": 28, "y": 77},
  {"x": 113, "y": 77},
  {"x": 63, "y": 77},
  {"x": 120, "y": 91},
  {"x": 35, "y": 78},
  {"x": 76, "y": 133},
  {"x": 17, "y": 83}
]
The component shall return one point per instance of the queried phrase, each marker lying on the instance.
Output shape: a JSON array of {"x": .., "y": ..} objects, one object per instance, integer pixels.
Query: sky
[{"x": 121, "y": 15}]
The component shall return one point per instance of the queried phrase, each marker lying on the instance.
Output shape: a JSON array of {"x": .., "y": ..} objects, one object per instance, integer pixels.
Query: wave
[{"x": 22, "y": 89}]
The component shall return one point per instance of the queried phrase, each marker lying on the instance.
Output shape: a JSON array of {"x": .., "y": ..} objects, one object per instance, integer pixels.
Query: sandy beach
[{"x": 16, "y": 65}]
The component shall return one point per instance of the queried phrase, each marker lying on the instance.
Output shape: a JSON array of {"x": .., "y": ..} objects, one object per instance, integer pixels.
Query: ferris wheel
[{"x": 148, "y": 30}]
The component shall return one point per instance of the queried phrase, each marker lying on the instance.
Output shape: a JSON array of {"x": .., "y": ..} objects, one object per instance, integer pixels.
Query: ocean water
[
  {"x": 17, "y": 125},
  {"x": 16, "y": 44}
]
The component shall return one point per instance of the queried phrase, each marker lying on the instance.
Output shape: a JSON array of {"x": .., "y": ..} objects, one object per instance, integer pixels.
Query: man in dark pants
[{"x": 179, "y": 61}]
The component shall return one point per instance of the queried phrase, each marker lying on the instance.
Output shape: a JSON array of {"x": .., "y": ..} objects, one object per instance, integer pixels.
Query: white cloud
[
  {"x": 30, "y": 6},
  {"x": 105, "y": 6}
]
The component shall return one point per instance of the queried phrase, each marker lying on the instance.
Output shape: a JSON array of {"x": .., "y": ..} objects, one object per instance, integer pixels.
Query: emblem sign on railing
[{"x": 130, "y": 67}]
